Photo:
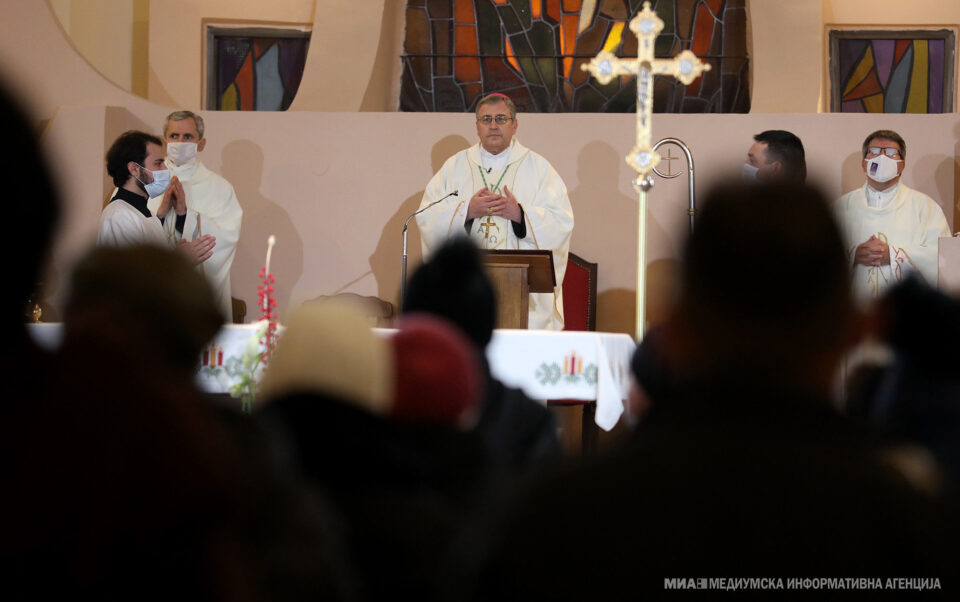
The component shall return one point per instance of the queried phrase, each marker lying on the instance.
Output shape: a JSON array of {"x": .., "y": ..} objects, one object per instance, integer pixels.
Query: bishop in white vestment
[
  {"x": 509, "y": 198},
  {"x": 890, "y": 230}
]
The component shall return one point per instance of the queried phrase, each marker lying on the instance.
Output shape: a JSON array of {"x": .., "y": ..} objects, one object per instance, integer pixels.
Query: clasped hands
[
  {"x": 873, "y": 252},
  {"x": 484, "y": 203},
  {"x": 173, "y": 198},
  {"x": 199, "y": 249}
]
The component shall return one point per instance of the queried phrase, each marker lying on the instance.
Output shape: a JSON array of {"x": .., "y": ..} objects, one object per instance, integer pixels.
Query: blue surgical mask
[
  {"x": 161, "y": 181},
  {"x": 749, "y": 173}
]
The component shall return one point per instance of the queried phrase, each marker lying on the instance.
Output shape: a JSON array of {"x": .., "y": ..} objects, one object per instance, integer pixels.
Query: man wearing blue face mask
[
  {"x": 211, "y": 201},
  {"x": 135, "y": 163},
  {"x": 890, "y": 230}
]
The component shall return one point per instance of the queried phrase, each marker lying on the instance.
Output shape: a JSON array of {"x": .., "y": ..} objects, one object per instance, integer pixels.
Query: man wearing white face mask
[
  {"x": 209, "y": 197},
  {"x": 135, "y": 163},
  {"x": 776, "y": 155},
  {"x": 891, "y": 230}
]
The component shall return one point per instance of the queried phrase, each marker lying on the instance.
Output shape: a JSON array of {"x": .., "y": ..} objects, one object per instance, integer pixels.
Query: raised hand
[{"x": 199, "y": 249}]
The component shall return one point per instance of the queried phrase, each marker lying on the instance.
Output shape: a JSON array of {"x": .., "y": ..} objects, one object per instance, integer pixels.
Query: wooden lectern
[{"x": 514, "y": 275}]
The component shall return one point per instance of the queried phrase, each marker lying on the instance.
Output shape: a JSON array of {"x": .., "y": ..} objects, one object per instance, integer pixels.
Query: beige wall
[
  {"x": 109, "y": 48},
  {"x": 335, "y": 187},
  {"x": 785, "y": 47},
  {"x": 173, "y": 33}
]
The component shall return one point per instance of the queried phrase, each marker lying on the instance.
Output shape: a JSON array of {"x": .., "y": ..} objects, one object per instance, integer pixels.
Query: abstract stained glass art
[
  {"x": 892, "y": 71},
  {"x": 258, "y": 73},
  {"x": 457, "y": 51}
]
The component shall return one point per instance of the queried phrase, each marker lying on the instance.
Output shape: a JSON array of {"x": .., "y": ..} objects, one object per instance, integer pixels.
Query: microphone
[{"x": 403, "y": 258}]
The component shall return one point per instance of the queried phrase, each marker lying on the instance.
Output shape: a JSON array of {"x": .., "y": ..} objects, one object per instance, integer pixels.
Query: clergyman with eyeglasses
[
  {"x": 891, "y": 230},
  {"x": 509, "y": 197}
]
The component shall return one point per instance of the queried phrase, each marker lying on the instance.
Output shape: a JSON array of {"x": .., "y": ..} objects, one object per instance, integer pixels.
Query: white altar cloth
[{"x": 545, "y": 364}]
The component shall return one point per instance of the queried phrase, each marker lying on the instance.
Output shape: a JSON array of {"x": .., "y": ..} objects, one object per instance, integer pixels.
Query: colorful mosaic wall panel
[
  {"x": 900, "y": 72},
  {"x": 258, "y": 73},
  {"x": 457, "y": 51}
]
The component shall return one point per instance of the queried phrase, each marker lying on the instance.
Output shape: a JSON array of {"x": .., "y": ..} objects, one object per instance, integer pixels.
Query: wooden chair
[
  {"x": 239, "y": 310},
  {"x": 580, "y": 313},
  {"x": 379, "y": 313}
]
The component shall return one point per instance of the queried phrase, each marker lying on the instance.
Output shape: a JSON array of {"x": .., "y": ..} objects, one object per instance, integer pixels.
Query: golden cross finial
[{"x": 605, "y": 66}]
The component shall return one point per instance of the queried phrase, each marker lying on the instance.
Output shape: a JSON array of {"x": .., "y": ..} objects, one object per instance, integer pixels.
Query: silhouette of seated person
[
  {"x": 746, "y": 468},
  {"x": 915, "y": 398},
  {"x": 382, "y": 425},
  {"x": 516, "y": 430}
]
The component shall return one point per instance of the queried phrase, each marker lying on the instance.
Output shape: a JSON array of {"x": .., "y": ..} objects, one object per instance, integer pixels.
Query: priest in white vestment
[
  {"x": 214, "y": 207},
  {"x": 135, "y": 163},
  {"x": 509, "y": 197},
  {"x": 891, "y": 230}
]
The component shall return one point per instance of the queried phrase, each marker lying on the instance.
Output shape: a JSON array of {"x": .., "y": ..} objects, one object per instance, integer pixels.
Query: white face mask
[
  {"x": 160, "y": 183},
  {"x": 182, "y": 153},
  {"x": 882, "y": 168},
  {"x": 749, "y": 173}
]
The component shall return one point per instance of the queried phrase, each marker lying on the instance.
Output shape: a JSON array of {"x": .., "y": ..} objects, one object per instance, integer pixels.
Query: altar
[{"x": 587, "y": 366}]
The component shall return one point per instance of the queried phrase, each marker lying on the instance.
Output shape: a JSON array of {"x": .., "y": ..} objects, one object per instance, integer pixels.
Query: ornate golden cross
[{"x": 605, "y": 66}]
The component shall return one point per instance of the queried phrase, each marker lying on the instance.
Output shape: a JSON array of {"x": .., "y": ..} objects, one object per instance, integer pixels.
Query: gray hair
[
  {"x": 495, "y": 98},
  {"x": 180, "y": 116}
]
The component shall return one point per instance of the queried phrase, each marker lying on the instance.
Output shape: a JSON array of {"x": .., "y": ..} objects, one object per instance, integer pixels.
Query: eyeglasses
[
  {"x": 500, "y": 119},
  {"x": 888, "y": 151}
]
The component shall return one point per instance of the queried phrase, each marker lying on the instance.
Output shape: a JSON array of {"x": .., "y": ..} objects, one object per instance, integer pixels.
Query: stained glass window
[
  {"x": 457, "y": 51},
  {"x": 254, "y": 69},
  {"x": 892, "y": 71}
]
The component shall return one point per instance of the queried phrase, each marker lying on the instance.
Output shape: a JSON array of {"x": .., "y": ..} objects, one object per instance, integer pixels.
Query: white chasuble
[
  {"x": 212, "y": 208},
  {"x": 541, "y": 194},
  {"x": 910, "y": 224}
]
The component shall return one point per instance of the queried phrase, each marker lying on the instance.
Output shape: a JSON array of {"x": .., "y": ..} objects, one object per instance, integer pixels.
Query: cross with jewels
[{"x": 605, "y": 66}]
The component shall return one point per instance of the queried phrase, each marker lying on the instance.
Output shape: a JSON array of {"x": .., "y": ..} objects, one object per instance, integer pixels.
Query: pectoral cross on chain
[{"x": 605, "y": 66}]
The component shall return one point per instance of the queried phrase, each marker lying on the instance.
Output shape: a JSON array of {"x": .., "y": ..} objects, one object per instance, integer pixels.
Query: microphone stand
[{"x": 403, "y": 258}]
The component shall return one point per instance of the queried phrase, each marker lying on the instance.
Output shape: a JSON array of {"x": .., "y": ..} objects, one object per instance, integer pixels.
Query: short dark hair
[
  {"x": 785, "y": 147},
  {"x": 888, "y": 135},
  {"x": 130, "y": 146}
]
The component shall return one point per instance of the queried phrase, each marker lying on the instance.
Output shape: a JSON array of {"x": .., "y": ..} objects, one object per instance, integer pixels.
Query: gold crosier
[{"x": 605, "y": 66}]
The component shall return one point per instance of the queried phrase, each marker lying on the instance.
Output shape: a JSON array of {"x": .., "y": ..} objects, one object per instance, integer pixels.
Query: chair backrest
[
  {"x": 239, "y": 309},
  {"x": 378, "y": 312},
  {"x": 579, "y": 294}
]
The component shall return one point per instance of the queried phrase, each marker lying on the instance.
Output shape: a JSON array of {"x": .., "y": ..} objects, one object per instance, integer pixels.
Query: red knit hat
[{"x": 437, "y": 374}]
